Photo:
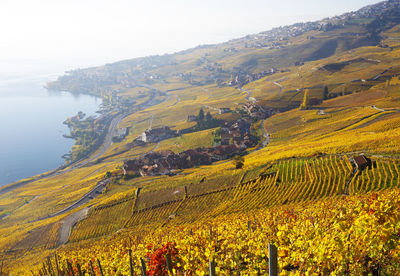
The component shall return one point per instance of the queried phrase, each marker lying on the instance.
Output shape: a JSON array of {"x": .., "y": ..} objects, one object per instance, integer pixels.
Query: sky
[{"x": 50, "y": 36}]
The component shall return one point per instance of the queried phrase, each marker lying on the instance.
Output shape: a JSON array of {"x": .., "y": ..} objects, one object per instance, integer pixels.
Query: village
[{"x": 230, "y": 139}]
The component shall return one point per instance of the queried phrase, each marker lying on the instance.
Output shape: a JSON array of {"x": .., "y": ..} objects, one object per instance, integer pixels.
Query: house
[
  {"x": 225, "y": 138},
  {"x": 224, "y": 110},
  {"x": 165, "y": 162},
  {"x": 157, "y": 134},
  {"x": 121, "y": 134},
  {"x": 256, "y": 111},
  {"x": 361, "y": 162},
  {"x": 142, "y": 137},
  {"x": 224, "y": 152},
  {"x": 192, "y": 118}
]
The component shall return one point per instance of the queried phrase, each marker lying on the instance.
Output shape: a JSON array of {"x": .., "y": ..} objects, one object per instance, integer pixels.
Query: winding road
[
  {"x": 248, "y": 97},
  {"x": 68, "y": 223}
]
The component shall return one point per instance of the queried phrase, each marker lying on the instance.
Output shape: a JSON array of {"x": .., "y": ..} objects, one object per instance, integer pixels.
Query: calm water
[{"x": 31, "y": 127}]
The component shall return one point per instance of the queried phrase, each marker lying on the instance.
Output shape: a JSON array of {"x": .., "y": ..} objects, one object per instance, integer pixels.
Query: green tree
[
  {"x": 326, "y": 92},
  {"x": 200, "y": 117},
  {"x": 208, "y": 117},
  {"x": 238, "y": 161}
]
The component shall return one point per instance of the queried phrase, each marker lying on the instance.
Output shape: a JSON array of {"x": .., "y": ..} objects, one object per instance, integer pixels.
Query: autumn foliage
[{"x": 158, "y": 262}]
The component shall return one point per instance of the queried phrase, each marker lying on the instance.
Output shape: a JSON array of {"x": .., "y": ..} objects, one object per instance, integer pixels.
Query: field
[{"x": 232, "y": 224}]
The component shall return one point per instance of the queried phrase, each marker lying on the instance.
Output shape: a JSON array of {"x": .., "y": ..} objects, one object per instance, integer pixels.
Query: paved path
[
  {"x": 266, "y": 135},
  {"x": 248, "y": 97},
  {"x": 68, "y": 223},
  {"x": 104, "y": 147},
  {"x": 98, "y": 189},
  {"x": 178, "y": 99},
  {"x": 278, "y": 84}
]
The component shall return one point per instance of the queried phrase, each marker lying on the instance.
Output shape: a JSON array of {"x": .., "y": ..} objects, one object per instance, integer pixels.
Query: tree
[
  {"x": 326, "y": 92},
  {"x": 200, "y": 117},
  {"x": 208, "y": 117},
  {"x": 306, "y": 101},
  {"x": 239, "y": 161},
  {"x": 108, "y": 174}
]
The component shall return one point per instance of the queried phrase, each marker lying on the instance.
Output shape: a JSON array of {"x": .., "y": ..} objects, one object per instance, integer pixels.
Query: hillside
[{"x": 304, "y": 105}]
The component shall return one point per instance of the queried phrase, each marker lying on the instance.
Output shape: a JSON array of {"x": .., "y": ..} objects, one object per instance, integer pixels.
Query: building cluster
[
  {"x": 256, "y": 111},
  {"x": 236, "y": 133},
  {"x": 157, "y": 134},
  {"x": 167, "y": 162},
  {"x": 277, "y": 37},
  {"x": 242, "y": 78},
  {"x": 121, "y": 134},
  {"x": 234, "y": 138}
]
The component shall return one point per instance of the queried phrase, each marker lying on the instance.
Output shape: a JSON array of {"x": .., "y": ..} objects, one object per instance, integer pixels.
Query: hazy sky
[{"x": 57, "y": 35}]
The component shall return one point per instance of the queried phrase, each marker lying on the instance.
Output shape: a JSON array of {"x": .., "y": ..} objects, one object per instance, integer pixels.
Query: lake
[{"x": 31, "y": 125}]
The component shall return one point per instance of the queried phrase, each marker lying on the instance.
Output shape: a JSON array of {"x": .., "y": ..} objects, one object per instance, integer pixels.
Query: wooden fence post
[
  {"x": 130, "y": 261},
  {"x": 273, "y": 260},
  {"x": 91, "y": 268},
  {"x": 212, "y": 267},
  {"x": 45, "y": 268},
  {"x": 101, "y": 270},
  {"x": 57, "y": 267},
  {"x": 144, "y": 272},
  {"x": 79, "y": 269},
  {"x": 50, "y": 266},
  {"x": 169, "y": 263},
  {"x": 70, "y": 268}
]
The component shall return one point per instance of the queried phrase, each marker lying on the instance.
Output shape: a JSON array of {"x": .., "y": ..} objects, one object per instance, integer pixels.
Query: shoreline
[{"x": 26, "y": 88}]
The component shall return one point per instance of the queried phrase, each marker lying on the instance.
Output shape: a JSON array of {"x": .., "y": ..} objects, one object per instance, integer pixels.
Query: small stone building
[{"x": 362, "y": 162}]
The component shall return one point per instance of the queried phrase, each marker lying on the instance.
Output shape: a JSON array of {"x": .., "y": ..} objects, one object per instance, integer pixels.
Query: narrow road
[
  {"x": 278, "y": 84},
  {"x": 150, "y": 122},
  {"x": 32, "y": 199},
  {"x": 266, "y": 135},
  {"x": 68, "y": 223},
  {"x": 380, "y": 74},
  {"x": 178, "y": 99},
  {"x": 248, "y": 97},
  {"x": 104, "y": 147},
  {"x": 97, "y": 190},
  {"x": 377, "y": 108},
  {"x": 152, "y": 150}
]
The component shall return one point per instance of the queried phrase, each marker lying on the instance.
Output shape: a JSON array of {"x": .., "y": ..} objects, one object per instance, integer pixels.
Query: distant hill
[{"x": 238, "y": 59}]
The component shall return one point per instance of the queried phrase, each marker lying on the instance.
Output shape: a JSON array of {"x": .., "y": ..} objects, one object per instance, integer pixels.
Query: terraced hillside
[
  {"x": 295, "y": 185},
  {"x": 285, "y": 182}
]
